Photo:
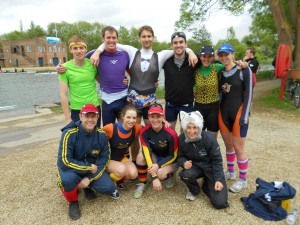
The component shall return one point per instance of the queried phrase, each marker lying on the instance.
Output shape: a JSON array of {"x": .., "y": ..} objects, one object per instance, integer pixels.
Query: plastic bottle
[{"x": 292, "y": 217}]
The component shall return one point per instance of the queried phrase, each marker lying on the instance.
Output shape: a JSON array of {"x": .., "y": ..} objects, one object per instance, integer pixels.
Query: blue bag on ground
[{"x": 266, "y": 201}]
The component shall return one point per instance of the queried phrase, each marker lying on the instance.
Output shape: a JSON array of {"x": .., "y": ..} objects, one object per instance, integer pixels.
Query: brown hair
[
  {"x": 129, "y": 107},
  {"x": 147, "y": 28},
  {"x": 109, "y": 29},
  {"x": 252, "y": 50},
  {"x": 76, "y": 38}
]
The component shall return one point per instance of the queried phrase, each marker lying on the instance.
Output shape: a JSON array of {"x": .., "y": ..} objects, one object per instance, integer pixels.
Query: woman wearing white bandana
[{"x": 200, "y": 157}]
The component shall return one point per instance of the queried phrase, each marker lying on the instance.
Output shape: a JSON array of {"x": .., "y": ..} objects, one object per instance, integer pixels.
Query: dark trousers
[{"x": 217, "y": 198}]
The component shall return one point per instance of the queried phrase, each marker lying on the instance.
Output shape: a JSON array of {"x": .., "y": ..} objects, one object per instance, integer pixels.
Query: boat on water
[{"x": 7, "y": 107}]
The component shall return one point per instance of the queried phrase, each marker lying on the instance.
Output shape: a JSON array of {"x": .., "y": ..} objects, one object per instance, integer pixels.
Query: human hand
[
  {"x": 60, "y": 69},
  {"x": 157, "y": 186},
  {"x": 94, "y": 168},
  {"x": 153, "y": 168},
  {"x": 68, "y": 120},
  {"x": 218, "y": 186},
  {"x": 241, "y": 63},
  {"x": 85, "y": 182},
  {"x": 193, "y": 59},
  {"x": 188, "y": 164},
  {"x": 156, "y": 84},
  {"x": 167, "y": 124},
  {"x": 125, "y": 81},
  {"x": 95, "y": 57}
]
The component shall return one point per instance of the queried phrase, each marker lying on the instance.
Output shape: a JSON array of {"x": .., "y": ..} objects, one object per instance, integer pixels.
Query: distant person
[
  {"x": 158, "y": 155},
  {"x": 0, "y": 69},
  {"x": 179, "y": 80},
  {"x": 237, "y": 89},
  {"x": 82, "y": 159},
  {"x": 200, "y": 157},
  {"x": 78, "y": 80},
  {"x": 145, "y": 65},
  {"x": 121, "y": 135},
  {"x": 252, "y": 62}
]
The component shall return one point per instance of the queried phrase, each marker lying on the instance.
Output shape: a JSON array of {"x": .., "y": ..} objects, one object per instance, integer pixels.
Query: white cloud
[{"x": 160, "y": 14}]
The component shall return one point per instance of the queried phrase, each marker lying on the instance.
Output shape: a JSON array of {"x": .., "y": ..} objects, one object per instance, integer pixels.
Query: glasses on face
[{"x": 178, "y": 34}]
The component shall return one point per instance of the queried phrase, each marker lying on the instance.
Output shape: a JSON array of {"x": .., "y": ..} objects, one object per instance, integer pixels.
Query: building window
[
  {"x": 10, "y": 61},
  {"x": 58, "y": 49},
  {"x": 63, "y": 49},
  {"x": 50, "y": 60},
  {"x": 49, "y": 48},
  {"x": 44, "y": 49},
  {"x": 54, "y": 48},
  {"x": 29, "y": 49},
  {"x": 40, "y": 48}
]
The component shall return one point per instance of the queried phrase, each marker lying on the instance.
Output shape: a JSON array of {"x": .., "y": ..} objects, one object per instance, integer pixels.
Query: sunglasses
[{"x": 178, "y": 34}]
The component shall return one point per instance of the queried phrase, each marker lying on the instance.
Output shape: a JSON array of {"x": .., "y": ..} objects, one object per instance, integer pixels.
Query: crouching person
[
  {"x": 82, "y": 159},
  {"x": 199, "y": 155}
]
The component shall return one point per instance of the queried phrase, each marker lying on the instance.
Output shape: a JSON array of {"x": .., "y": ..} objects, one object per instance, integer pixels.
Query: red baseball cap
[
  {"x": 89, "y": 108},
  {"x": 156, "y": 110}
]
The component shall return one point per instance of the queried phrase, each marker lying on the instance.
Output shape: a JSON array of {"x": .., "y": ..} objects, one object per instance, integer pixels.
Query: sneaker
[
  {"x": 190, "y": 196},
  {"x": 89, "y": 194},
  {"x": 169, "y": 182},
  {"x": 238, "y": 186},
  {"x": 74, "y": 211},
  {"x": 229, "y": 175},
  {"x": 114, "y": 195},
  {"x": 140, "y": 190},
  {"x": 121, "y": 186}
]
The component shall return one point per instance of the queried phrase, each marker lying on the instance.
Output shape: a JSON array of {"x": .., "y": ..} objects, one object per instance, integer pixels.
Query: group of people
[{"x": 101, "y": 160}]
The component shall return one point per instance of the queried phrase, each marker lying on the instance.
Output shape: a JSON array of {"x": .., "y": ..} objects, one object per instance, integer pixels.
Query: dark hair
[
  {"x": 156, "y": 105},
  {"x": 178, "y": 34},
  {"x": 110, "y": 29},
  {"x": 129, "y": 107},
  {"x": 252, "y": 50},
  {"x": 147, "y": 28}
]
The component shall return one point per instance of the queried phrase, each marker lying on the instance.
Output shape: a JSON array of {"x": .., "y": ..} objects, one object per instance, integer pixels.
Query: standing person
[
  {"x": 179, "y": 80},
  {"x": 252, "y": 62},
  {"x": 207, "y": 89},
  {"x": 82, "y": 159},
  {"x": 199, "y": 155},
  {"x": 159, "y": 152},
  {"x": 145, "y": 65},
  {"x": 78, "y": 80},
  {"x": 236, "y": 85},
  {"x": 121, "y": 135},
  {"x": 111, "y": 74}
]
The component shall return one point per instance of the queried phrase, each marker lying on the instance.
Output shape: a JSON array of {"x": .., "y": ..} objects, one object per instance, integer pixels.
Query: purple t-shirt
[{"x": 111, "y": 70}]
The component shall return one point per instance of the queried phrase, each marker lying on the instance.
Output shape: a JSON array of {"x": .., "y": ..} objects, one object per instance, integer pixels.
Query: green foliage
[
  {"x": 264, "y": 75},
  {"x": 160, "y": 93}
]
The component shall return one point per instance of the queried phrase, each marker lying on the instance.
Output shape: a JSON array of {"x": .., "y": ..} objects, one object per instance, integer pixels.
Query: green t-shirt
[
  {"x": 81, "y": 81},
  {"x": 205, "y": 71}
]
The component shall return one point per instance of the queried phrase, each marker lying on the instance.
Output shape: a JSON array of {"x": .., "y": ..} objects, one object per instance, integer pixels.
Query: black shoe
[
  {"x": 121, "y": 186},
  {"x": 114, "y": 195},
  {"x": 89, "y": 194},
  {"x": 74, "y": 211}
]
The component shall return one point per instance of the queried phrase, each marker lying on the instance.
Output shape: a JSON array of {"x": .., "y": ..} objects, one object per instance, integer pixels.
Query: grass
[{"x": 264, "y": 75}]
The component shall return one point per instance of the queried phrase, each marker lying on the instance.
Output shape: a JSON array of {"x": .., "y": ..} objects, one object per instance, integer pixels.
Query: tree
[{"x": 196, "y": 11}]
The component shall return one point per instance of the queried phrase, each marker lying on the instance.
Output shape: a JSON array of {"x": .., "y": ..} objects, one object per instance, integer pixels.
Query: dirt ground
[{"x": 29, "y": 195}]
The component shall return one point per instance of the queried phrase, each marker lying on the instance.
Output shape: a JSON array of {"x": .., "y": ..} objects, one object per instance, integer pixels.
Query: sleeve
[
  {"x": 109, "y": 130},
  {"x": 173, "y": 148},
  {"x": 66, "y": 160},
  {"x": 64, "y": 77},
  {"x": 104, "y": 156},
  {"x": 247, "y": 79},
  {"x": 181, "y": 159},
  {"x": 130, "y": 50},
  {"x": 253, "y": 64},
  {"x": 216, "y": 158},
  {"x": 89, "y": 54},
  {"x": 163, "y": 56}
]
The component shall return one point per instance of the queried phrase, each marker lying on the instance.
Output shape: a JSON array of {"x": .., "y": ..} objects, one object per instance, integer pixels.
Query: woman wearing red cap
[
  {"x": 159, "y": 151},
  {"x": 236, "y": 85},
  {"x": 121, "y": 136}
]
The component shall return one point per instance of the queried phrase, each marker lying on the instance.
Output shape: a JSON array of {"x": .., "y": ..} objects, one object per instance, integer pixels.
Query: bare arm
[{"x": 63, "y": 90}]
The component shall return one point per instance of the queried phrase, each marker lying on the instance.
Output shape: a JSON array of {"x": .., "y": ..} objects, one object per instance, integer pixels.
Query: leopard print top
[{"x": 206, "y": 87}]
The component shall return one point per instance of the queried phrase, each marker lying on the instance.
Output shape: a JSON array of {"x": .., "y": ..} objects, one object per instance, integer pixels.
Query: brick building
[{"x": 36, "y": 52}]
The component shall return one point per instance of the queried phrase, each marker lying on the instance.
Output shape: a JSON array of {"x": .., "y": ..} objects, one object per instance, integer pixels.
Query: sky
[{"x": 160, "y": 14}]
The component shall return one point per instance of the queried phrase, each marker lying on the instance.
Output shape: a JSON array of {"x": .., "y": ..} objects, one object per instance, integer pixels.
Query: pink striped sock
[
  {"x": 230, "y": 157},
  {"x": 243, "y": 166}
]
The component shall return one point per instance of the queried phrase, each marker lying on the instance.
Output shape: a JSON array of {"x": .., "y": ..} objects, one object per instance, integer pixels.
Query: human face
[
  {"x": 146, "y": 39},
  {"x": 110, "y": 39},
  {"x": 192, "y": 131},
  {"x": 248, "y": 54},
  {"x": 179, "y": 45},
  {"x": 78, "y": 52},
  {"x": 129, "y": 119},
  {"x": 226, "y": 59},
  {"x": 89, "y": 121},
  {"x": 206, "y": 59},
  {"x": 156, "y": 121}
]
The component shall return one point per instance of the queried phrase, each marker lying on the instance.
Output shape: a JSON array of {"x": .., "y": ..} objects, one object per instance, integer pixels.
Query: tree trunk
[
  {"x": 281, "y": 23},
  {"x": 295, "y": 14}
]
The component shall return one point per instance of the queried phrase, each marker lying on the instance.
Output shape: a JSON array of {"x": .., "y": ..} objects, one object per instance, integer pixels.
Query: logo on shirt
[
  {"x": 113, "y": 61},
  {"x": 121, "y": 146},
  {"x": 95, "y": 152},
  {"x": 226, "y": 87},
  {"x": 162, "y": 144}
]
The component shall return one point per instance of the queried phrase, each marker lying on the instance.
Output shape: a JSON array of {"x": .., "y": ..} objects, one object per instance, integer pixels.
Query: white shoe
[
  {"x": 190, "y": 196},
  {"x": 230, "y": 176},
  {"x": 170, "y": 182},
  {"x": 238, "y": 186},
  {"x": 140, "y": 190}
]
